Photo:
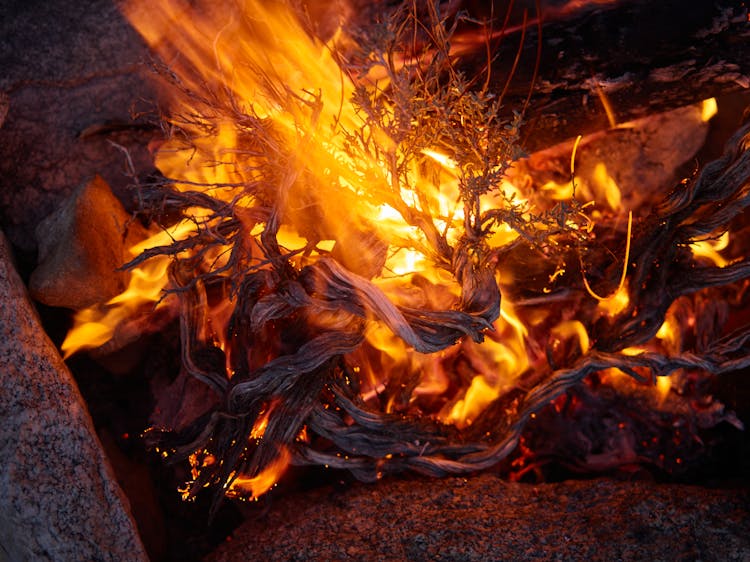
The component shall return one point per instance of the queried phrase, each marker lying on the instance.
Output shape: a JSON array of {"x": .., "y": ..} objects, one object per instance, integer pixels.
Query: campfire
[
  {"x": 367, "y": 278},
  {"x": 368, "y": 273}
]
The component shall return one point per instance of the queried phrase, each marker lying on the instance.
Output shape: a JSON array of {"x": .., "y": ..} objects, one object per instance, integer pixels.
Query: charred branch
[
  {"x": 629, "y": 58},
  {"x": 291, "y": 365}
]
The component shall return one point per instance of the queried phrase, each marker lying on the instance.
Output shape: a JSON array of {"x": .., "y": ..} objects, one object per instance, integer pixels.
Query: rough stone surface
[
  {"x": 58, "y": 496},
  {"x": 485, "y": 518},
  {"x": 81, "y": 248},
  {"x": 181, "y": 402},
  {"x": 73, "y": 77}
]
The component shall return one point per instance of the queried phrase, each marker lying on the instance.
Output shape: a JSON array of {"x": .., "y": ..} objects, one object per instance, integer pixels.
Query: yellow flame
[
  {"x": 709, "y": 108},
  {"x": 670, "y": 337},
  {"x": 663, "y": 386},
  {"x": 667, "y": 339},
  {"x": 442, "y": 159},
  {"x": 615, "y": 303},
  {"x": 573, "y": 328},
  {"x": 669, "y": 334},
  {"x": 500, "y": 361},
  {"x": 256, "y": 486},
  {"x": 710, "y": 249},
  {"x": 559, "y": 191},
  {"x": 479, "y": 395},
  {"x": 605, "y": 185},
  {"x": 96, "y": 325},
  {"x": 619, "y": 300},
  {"x": 606, "y": 105}
]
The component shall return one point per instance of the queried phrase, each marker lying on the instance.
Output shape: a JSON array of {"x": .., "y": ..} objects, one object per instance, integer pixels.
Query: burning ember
[{"x": 369, "y": 277}]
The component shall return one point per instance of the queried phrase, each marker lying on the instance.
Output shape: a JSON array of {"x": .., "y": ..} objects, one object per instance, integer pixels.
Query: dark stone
[
  {"x": 4, "y": 105},
  {"x": 486, "y": 518},
  {"x": 73, "y": 78}
]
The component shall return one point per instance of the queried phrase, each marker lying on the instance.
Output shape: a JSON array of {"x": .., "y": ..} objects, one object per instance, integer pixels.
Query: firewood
[
  {"x": 290, "y": 364},
  {"x": 630, "y": 58}
]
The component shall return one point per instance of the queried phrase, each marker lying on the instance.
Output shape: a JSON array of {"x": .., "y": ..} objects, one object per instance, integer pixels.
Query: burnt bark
[{"x": 644, "y": 57}]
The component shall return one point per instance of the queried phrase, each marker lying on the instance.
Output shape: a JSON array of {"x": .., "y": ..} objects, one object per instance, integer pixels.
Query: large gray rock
[
  {"x": 486, "y": 518},
  {"x": 58, "y": 496}
]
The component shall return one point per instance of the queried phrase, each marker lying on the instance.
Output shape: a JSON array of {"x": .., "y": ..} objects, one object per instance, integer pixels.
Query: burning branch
[{"x": 346, "y": 231}]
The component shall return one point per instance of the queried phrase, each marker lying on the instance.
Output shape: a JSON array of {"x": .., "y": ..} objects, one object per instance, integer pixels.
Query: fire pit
[{"x": 361, "y": 273}]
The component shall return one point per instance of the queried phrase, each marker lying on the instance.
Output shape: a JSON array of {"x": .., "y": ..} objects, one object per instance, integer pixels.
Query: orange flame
[
  {"x": 254, "y": 487},
  {"x": 95, "y": 326},
  {"x": 710, "y": 249},
  {"x": 260, "y": 59}
]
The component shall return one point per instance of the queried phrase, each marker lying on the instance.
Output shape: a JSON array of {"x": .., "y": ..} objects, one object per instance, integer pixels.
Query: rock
[
  {"x": 81, "y": 247},
  {"x": 136, "y": 482},
  {"x": 74, "y": 79},
  {"x": 485, "y": 518},
  {"x": 181, "y": 402},
  {"x": 59, "y": 499}
]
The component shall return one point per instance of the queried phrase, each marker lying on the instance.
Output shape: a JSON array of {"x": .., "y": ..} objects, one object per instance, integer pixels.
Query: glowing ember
[{"x": 344, "y": 244}]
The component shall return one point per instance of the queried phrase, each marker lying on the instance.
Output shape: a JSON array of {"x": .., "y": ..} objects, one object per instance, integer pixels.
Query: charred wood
[{"x": 630, "y": 58}]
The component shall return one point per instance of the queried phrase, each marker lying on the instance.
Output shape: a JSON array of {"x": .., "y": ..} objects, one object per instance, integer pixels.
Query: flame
[
  {"x": 605, "y": 185},
  {"x": 442, "y": 159},
  {"x": 669, "y": 334},
  {"x": 608, "y": 110},
  {"x": 479, "y": 395},
  {"x": 96, "y": 325},
  {"x": 261, "y": 423},
  {"x": 620, "y": 299},
  {"x": 669, "y": 337},
  {"x": 277, "y": 51},
  {"x": 710, "y": 249},
  {"x": 663, "y": 386},
  {"x": 499, "y": 360},
  {"x": 197, "y": 462},
  {"x": 598, "y": 186},
  {"x": 254, "y": 487},
  {"x": 262, "y": 59},
  {"x": 709, "y": 108},
  {"x": 616, "y": 302},
  {"x": 573, "y": 328}
]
